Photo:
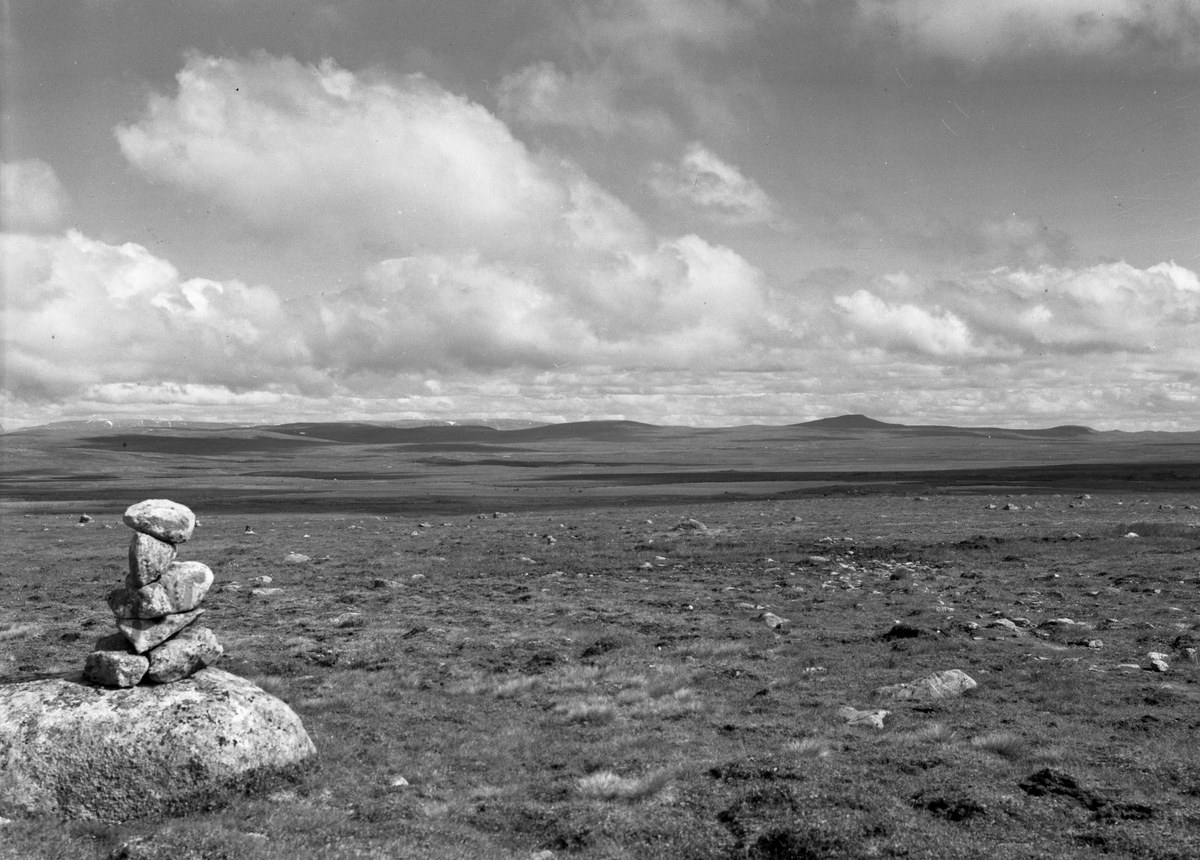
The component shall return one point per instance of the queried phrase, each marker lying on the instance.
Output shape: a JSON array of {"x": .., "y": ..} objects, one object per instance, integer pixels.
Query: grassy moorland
[{"x": 555, "y": 642}]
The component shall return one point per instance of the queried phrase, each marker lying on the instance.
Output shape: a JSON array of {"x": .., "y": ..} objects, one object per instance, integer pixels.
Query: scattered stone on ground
[
  {"x": 296, "y": 558},
  {"x": 1158, "y": 661},
  {"x": 690, "y": 525},
  {"x": 855, "y": 717},
  {"x": 84, "y": 519},
  {"x": 773, "y": 621},
  {"x": 939, "y": 685}
]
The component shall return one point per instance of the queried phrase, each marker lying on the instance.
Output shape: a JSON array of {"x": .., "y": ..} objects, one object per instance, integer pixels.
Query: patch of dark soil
[
  {"x": 953, "y": 807},
  {"x": 541, "y": 662},
  {"x": 603, "y": 645},
  {"x": 900, "y": 630},
  {"x": 800, "y": 844},
  {"x": 1052, "y": 781}
]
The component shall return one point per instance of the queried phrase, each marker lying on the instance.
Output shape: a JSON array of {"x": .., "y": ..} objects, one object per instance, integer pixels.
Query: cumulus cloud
[
  {"x": 934, "y": 332},
  {"x": 31, "y": 197},
  {"x": 485, "y": 254},
  {"x": 298, "y": 148},
  {"x": 83, "y": 312},
  {"x": 1161, "y": 33},
  {"x": 704, "y": 184},
  {"x": 1112, "y": 308},
  {"x": 470, "y": 254}
]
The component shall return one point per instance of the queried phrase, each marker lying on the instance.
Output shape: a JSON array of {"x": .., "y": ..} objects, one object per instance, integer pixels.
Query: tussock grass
[
  {"x": 589, "y": 709},
  {"x": 512, "y": 687},
  {"x": 573, "y": 679},
  {"x": 708, "y": 649},
  {"x": 676, "y": 703},
  {"x": 606, "y": 785},
  {"x": 810, "y": 748},
  {"x": 18, "y": 630},
  {"x": 1008, "y": 745}
]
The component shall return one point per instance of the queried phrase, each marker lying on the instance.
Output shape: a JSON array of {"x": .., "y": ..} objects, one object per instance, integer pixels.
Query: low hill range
[{"x": 516, "y": 430}]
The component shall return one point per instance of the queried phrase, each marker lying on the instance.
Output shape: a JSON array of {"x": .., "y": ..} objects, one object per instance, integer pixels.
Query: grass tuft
[
  {"x": 18, "y": 630},
  {"x": 1006, "y": 744},
  {"x": 810, "y": 748},
  {"x": 606, "y": 785},
  {"x": 591, "y": 709}
]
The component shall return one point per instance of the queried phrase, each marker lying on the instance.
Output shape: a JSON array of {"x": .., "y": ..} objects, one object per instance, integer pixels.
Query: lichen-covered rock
[
  {"x": 114, "y": 663},
  {"x": 161, "y": 518},
  {"x": 180, "y": 589},
  {"x": 144, "y": 633},
  {"x": 72, "y": 749},
  {"x": 188, "y": 651},
  {"x": 939, "y": 685},
  {"x": 149, "y": 559}
]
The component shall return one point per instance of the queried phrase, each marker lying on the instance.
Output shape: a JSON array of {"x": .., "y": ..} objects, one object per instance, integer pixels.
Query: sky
[{"x": 696, "y": 212}]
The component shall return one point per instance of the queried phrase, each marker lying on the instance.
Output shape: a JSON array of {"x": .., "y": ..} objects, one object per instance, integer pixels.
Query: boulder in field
[
  {"x": 185, "y": 653},
  {"x": 180, "y": 589},
  {"x": 149, "y": 559},
  {"x": 114, "y": 663},
  {"x": 939, "y": 685},
  {"x": 161, "y": 518},
  {"x": 71, "y": 749},
  {"x": 144, "y": 633}
]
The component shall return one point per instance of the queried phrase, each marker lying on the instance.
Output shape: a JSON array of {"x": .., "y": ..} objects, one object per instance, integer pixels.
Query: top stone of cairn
[{"x": 161, "y": 518}]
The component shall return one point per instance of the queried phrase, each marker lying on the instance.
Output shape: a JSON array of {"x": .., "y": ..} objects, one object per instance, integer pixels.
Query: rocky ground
[{"x": 692, "y": 678}]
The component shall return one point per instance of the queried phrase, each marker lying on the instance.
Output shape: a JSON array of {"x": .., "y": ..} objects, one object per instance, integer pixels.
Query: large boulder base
[{"x": 72, "y": 749}]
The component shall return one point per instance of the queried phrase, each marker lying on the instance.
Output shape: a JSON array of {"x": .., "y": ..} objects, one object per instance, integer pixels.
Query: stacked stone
[{"x": 155, "y": 610}]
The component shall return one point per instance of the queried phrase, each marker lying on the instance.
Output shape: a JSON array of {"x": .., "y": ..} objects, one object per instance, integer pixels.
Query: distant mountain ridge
[
  {"x": 862, "y": 422},
  {"x": 414, "y": 430}
]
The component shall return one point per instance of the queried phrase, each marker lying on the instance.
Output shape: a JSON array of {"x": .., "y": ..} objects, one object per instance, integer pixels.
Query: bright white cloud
[
  {"x": 905, "y": 326},
  {"x": 1163, "y": 32},
  {"x": 705, "y": 184},
  {"x": 82, "y": 312},
  {"x": 31, "y": 197},
  {"x": 1046, "y": 311},
  {"x": 307, "y": 149},
  {"x": 486, "y": 255}
]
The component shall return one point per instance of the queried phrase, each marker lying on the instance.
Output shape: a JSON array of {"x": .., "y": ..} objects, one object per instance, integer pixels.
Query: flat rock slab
[
  {"x": 144, "y": 633},
  {"x": 69, "y": 748},
  {"x": 161, "y": 518}
]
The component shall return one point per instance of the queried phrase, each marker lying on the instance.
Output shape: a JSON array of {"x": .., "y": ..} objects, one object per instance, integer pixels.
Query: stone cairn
[{"x": 157, "y": 638}]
